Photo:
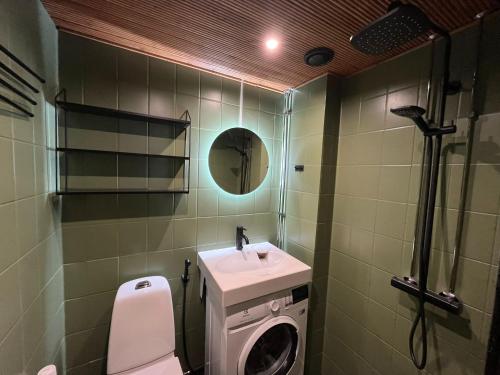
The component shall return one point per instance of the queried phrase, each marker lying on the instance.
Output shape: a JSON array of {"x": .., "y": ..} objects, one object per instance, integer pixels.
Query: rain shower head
[{"x": 402, "y": 23}]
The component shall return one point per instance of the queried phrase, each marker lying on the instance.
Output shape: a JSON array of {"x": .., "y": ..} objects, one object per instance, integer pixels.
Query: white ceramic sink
[
  {"x": 233, "y": 276},
  {"x": 252, "y": 259}
]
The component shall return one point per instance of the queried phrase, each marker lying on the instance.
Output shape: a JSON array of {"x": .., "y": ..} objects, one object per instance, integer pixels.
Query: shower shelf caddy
[{"x": 63, "y": 152}]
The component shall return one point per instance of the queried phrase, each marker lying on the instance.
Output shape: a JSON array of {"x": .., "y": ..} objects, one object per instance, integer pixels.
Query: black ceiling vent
[{"x": 319, "y": 56}]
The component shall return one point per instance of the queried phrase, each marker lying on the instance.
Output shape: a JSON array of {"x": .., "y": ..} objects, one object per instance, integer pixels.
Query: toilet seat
[{"x": 168, "y": 365}]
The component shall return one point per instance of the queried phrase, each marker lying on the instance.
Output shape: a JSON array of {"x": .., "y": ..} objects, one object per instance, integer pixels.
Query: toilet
[{"x": 142, "y": 335}]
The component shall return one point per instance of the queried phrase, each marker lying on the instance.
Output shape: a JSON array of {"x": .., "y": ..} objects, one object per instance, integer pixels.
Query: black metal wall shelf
[
  {"x": 122, "y": 191},
  {"x": 108, "y": 112},
  {"x": 68, "y": 149},
  {"x": 169, "y": 181}
]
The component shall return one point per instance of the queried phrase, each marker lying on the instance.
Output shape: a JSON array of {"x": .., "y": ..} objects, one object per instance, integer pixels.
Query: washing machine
[{"x": 265, "y": 335}]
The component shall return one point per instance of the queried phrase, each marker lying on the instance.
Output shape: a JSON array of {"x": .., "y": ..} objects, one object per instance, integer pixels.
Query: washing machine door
[{"x": 272, "y": 348}]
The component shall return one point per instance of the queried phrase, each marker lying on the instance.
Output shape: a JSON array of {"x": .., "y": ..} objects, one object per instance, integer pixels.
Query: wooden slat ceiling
[{"x": 227, "y": 36}]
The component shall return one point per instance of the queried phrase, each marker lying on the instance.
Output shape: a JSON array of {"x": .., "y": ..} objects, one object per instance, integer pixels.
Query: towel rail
[
  {"x": 15, "y": 105},
  {"x": 18, "y": 77},
  {"x": 16, "y": 91},
  {"x": 19, "y": 62}
]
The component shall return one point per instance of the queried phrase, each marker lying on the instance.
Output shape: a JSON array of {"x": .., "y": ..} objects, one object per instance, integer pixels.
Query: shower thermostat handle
[{"x": 441, "y": 131}]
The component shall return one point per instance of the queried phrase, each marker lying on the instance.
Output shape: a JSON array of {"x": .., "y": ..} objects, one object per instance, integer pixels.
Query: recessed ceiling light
[{"x": 272, "y": 43}]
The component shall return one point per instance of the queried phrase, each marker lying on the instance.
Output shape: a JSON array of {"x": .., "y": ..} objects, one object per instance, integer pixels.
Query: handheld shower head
[
  {"x": 415, "y": 113},
  {"x": 410, "y": 111},
  {"x": 402, "y": 23}
]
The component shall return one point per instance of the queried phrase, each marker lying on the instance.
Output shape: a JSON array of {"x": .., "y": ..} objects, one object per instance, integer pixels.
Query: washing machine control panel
[
  {"x": 299, "y": 294},
  {"x": 272, "y": 305},
  {"x": 246, "y": 315}
]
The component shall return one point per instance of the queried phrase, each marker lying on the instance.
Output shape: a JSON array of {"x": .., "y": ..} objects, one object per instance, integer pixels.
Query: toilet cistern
[{"x": 240, "y": 236}]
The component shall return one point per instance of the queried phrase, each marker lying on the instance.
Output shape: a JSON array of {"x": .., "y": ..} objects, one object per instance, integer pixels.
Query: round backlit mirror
[{"x": 238, "y": 161}]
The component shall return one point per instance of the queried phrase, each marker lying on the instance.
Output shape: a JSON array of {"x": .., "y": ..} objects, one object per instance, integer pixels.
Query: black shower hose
[
  {"x": 185, "y": 281},
  {"x": 432, "y": 173},
  {"x": 420, "y": 318}
]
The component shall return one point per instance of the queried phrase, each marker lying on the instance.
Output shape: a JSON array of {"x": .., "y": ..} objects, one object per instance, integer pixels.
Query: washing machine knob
[{"x": 275, "y": 306}]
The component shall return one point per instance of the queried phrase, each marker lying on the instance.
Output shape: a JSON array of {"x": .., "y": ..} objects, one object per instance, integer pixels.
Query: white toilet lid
[{"x": 168, "y": 365}]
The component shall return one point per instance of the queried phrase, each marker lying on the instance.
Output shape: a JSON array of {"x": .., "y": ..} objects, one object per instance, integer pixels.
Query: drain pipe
[
  {"x": 285, "y": 139},
  {"x": 185, "y": 281}
]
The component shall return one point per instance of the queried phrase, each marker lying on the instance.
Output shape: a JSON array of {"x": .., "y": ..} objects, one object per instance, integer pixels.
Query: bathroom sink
[
  {"x": 252, "y": 258},
  {"x": 232, "y": 276}
]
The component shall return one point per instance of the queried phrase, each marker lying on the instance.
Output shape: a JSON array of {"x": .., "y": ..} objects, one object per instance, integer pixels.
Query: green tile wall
[
  {"x": 379, "y": 155},
  {"x": 313, "y": 143},
  {"x": 359, "y": 324},
  {"x": 31, "y": 273},
  {"x": 108, "y": 240}
]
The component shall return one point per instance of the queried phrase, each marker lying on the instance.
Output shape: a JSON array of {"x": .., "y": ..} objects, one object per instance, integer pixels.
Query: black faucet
[{"x": 240, "y": 236}]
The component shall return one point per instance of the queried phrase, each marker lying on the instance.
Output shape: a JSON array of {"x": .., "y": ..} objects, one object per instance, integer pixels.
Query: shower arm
[
  {"x": 418, "y": 220},
  {"x": 446, "y": 70},
  {"x": 421, "y": 227},
  {"x": 437, "y": 132},
  {"x": 434, "y": 157},
  {"x": 433, "y": 141}
]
